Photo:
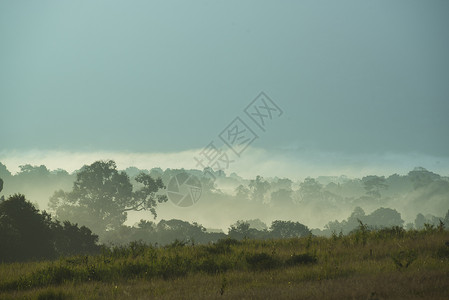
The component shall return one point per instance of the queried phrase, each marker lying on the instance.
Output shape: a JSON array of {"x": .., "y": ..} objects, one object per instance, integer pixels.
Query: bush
[
  {"x": 261, "y": 261},
  {"x": 301, "y": 259}
]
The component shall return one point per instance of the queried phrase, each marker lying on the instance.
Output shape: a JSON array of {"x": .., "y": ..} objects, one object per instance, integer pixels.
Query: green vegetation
[
  {"x": 366, "y": 256},
  {"x": 27, "y": 234},
  {"x": 386, "y": 263}
]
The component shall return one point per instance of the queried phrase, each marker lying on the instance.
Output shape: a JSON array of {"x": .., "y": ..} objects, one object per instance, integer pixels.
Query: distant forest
[{"x": 72, "y": 213}]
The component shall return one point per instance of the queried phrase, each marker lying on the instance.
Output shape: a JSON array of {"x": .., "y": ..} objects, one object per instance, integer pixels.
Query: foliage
[
  {"x": 310, "y": 189},
  {"x": 422, "y": 177},
  {"x": 380, "y": 218},
  {"x": 374, "y": 184},
  {"x": 101, "y": 197},
  {"x": 28, "y": 234},
  {"x": 259, "y": 187},
  {"x": 288, "y": 229},
  {"x": 24, "y": 232}
]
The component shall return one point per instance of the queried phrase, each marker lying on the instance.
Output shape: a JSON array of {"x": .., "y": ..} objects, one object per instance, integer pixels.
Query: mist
[{"x": 315, "y": 201}]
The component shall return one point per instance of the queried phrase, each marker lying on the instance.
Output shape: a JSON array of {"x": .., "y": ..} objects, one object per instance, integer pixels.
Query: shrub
[
  {"x": 261, "y": 261},
  {"x": 301, "y": 259}
]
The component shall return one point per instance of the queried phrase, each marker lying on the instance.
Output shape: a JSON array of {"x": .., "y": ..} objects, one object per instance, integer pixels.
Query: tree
[
  {"x": 242, "y": 192},
  {"x": 27, "y": 234},
  {"x": 374, "y": 184},
  {"x": 102, "y": 196},
  {"x": 24, "y": 232},
  {"x": 4, "y": 173},
  {"x": 69, "y": 239},
  {"x": 239, "y": 230},
  {"x": 257, "y": 224},
  {"x": 288, "y": 229},
  {"x": 420, "y": 220},
  {"x": 283, "y": 183},
  {"x": 384, "y": 217},
  {"x": 420, "y": 177},
  {"x": 259, "y": 187},
  {"x": 171, "y": 230},
  {"x": 351, "y": 223},
  {"x": 310, "y": 189}
]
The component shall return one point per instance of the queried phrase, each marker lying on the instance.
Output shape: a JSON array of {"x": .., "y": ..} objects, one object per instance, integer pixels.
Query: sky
[{"x": 363, "y": 85}]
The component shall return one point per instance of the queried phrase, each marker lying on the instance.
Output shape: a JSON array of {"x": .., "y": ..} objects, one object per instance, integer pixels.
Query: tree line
[{"x": 101, "y": 197}]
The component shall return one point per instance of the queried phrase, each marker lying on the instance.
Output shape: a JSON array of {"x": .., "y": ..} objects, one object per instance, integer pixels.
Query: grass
[{"x": 383, "y": 264}]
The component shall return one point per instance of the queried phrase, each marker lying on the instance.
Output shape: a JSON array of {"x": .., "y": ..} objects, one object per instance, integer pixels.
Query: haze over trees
[
  {"x": 101, "y": 197},
  {"x": 121, "y": 205}
]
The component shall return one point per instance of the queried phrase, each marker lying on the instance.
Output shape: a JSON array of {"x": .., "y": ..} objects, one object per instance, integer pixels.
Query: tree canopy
[
  {"x": 28, "y": 234},
  {"x": 101, "y": 197}
]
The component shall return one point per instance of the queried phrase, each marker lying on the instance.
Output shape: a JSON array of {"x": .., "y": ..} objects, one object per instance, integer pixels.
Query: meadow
[{"x": 366, "y": 264}]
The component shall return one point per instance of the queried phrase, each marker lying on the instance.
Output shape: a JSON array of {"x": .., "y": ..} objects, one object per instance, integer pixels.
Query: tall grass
[{"x": 362, "y": 253}]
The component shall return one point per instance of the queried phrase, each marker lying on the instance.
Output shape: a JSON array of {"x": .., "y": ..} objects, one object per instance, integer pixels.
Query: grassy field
[{"x": 385, "y": 264}]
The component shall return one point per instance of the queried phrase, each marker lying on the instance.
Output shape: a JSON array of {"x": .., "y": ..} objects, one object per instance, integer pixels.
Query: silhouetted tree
[
  {"x": 102, "y": 196},
  {"x": 27, "y": 234},
  {"x": 24, "y": 232},
  {"x": 69, "y": 239}
]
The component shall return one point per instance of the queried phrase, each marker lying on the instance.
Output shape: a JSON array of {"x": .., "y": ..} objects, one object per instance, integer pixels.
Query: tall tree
[
  {"x": 102, "y": 196},
  {"x": 310, "y": 189},
  {"x": 420, "y": 177},
  {"x": 374, "y": 184},
  {"x": 259, "y": 187}
]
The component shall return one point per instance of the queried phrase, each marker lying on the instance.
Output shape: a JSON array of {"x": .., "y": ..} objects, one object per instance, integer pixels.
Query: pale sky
[{"x": 361, "y": 79}]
